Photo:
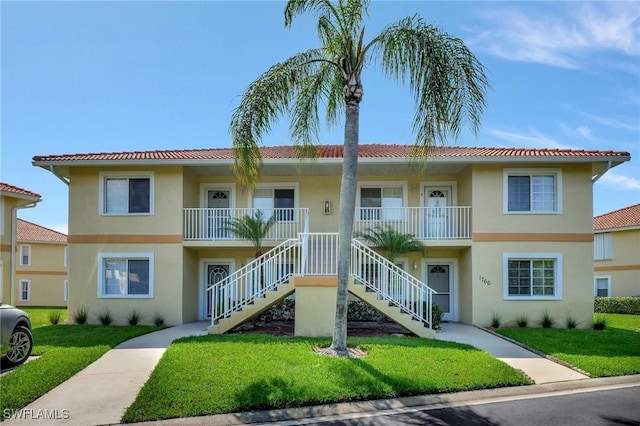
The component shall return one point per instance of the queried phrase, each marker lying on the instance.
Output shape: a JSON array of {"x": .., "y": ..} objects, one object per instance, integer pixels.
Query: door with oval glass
[
  {"x": 437, "y": 200},
  {"x": 218, "y": 216},
  {"x": 215, "y": 272},
  {"x": 439, "y": 278}
]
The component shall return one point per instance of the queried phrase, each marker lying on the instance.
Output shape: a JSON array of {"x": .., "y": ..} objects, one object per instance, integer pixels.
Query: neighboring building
[
  {"x": 41, "y": 266},
  {"x": 505, "y": 231},
  {"x": 617, "y": 252},
  {"x": 12, "y": 199}
]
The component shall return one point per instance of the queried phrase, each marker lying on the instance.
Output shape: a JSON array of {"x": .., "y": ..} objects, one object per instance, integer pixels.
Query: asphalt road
[{"x": 607, "y": 407}]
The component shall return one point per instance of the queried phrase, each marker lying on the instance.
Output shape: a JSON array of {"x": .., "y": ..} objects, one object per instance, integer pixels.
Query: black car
[{"x": 16, "y": 340}]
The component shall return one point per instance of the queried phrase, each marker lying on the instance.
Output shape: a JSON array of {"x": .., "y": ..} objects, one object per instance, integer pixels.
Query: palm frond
[
  {"x": 254, "y": 228},
  {"x": 390, "y": 241},
  {"x": 448, "y": 82}
]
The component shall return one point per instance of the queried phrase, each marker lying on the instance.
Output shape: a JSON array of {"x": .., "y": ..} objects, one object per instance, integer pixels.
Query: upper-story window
[
  {"x": 1, "y": 215},
  {"x": 532, "y": 191},
  {"x": 280, "y": 201},
  {"x": 381, "y": 202},
  {"x": 126, "y": 193},
  {"x": 602, "y": 246},
  {"x": 66, "y": 256},
  {"x": 25, "y": 255}
]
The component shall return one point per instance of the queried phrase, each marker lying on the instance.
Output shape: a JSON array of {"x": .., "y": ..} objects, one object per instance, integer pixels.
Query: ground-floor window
[
  {"x": 125, "y": 275},
  {"x": 602, "y": 286},
  {"x": 532, "y": 275},
  {"x": 65, "y": 291},
  {"x": 25, "y": 290}
]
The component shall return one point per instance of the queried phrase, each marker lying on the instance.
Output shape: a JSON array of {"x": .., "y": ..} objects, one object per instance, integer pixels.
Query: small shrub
[
  {"x": 599, "y": 322},
  {"x": 617, "y": 305},
  {"x": 545, "y": 320},
  {"x": 105, "y": 317},
  {"x": 496, "y": 320},
  {"x": 436, "y": 317},
  {"x": 54, "y": 317},
  {"x": 134, "y": 317},
  {"x": 571, "y": 322},
  {"x": 158, "y": 320},
  {"x": 522, "y": 321},
  {"x": 81, "y": 315}
]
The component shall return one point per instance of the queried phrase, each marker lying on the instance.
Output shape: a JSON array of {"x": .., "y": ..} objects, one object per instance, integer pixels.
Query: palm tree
[
  {"x": 253, "y": 228},
  {"x": 448, "y": 82},
  {"x": 391, "y": 242}
]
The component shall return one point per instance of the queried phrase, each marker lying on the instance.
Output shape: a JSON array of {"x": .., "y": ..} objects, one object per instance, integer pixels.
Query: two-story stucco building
[
  {"x": 12, "y": 198},
  {"x": 41, "y": 266},
  {"x": 617, "y": 252},
  {"x": 505, "y": 231}
]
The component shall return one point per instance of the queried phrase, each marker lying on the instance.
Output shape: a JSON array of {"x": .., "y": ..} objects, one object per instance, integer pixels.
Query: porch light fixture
[{"x": 326, "y": 207}]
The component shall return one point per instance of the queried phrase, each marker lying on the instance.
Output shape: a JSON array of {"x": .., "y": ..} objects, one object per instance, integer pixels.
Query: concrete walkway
[
  {"x": 100, "y": 394},
  {"x": 539, "y": 369}
]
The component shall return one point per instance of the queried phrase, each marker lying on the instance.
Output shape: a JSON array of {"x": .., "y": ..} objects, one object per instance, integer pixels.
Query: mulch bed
[{"x": 354, "y": 329}]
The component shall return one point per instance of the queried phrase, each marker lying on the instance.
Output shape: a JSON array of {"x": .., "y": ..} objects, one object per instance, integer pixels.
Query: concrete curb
[{"x": 298, "y": 415}]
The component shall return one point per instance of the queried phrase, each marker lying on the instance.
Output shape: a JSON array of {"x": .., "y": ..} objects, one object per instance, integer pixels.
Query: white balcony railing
[
  {"x": 424, "y": 223},
  {"x": 206, "y": 224}
]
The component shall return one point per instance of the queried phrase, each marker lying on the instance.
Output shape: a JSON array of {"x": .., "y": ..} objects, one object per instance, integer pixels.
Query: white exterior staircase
[{"x": 265, "y": 281}]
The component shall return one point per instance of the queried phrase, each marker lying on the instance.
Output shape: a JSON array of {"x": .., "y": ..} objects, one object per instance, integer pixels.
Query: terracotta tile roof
[
  {"x": 28, "y": 231},
  {"x": 5, "y": 187},
  {"x": 628, "y": 217},
  {"x": 327, "y": 151}
]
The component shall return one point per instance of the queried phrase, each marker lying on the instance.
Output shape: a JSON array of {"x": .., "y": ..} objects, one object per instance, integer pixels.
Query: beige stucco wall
[
  {"x": 46, "y": 273},
  {"x": 624, "y": 268},
  {"x": 315, "y": 312},
  {"x": 167, "y": 292}
]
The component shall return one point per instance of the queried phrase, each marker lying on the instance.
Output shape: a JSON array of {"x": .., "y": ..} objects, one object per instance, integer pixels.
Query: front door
[
  {"x": 439, "y": 279},
  {"x": 215, "y": 272},
  {"x": 436, "y": 200},
  {"x": 217, "y": 219}
]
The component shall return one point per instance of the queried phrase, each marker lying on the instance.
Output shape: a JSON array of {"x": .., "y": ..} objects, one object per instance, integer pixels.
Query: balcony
[
  {"x": 424, "y": 223},
  {"x": 204, "y": 224}
]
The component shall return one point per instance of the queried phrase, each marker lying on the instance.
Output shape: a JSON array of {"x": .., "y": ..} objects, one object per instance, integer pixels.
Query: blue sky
[{"x": 120, "y": 76}]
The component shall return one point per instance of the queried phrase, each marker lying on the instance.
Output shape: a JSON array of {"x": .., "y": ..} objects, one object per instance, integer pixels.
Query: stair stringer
[
  {"x": 392, "y": 312},
  {"x": 259, "y": 305}
]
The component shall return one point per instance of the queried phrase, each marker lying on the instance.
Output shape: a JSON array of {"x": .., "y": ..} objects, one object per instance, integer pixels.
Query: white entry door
[
  {"x": 215, "y": 272},
  {"x": 440, "y": 278},
  {"x": 217, "y": 219},
  {"x": 437, "y": 200}
]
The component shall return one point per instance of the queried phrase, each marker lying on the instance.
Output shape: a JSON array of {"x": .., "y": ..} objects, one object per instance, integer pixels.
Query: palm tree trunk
[{"x": 347, "y": 213}]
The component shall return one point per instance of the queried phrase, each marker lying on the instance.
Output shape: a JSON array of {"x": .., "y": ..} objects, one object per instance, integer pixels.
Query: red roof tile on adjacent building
[
  {"x": 5, "y": 187},
  {"x": 628, "y": 217},
  {"x": 28, "y": 231},
  {"x": 327, "y": 151}
]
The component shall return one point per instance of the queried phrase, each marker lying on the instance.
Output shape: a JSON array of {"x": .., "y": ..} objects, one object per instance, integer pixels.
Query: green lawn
[
  {"x": 40, "y": 315},
  {"x": 63, "y": 350},
  {"x": 614, "y": 351},
  {"x": 216, "y": 374}
]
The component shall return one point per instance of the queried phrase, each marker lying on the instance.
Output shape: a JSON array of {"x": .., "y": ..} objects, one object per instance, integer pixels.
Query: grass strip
[
  {"x": 614, "y": 351},
  {"x": 63, "y": 350},
  {"x": 216, "y": 374}
]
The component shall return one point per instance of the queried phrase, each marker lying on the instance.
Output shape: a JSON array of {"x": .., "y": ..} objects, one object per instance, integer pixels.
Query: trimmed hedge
[{"x": 617, "y": 305}]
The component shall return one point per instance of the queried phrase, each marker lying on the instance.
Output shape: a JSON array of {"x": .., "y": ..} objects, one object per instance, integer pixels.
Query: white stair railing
[
  {"x": 255, "y": 279},
  {"x": 391, "y": 283}
]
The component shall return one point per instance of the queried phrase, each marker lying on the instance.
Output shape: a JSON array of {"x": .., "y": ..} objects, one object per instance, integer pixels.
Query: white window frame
[
  {"x": 21, "y": 285},
  {"x": 557, "y": 173},
  {"x": 603, "y": 246},
  {"x": 281, "y": 185},
  {"x": 381, "y": 185},
  {"x": 121, "y": 175},
  {"x": 66, "y": 256},
  {"x": 21, "y": 261},
  {"x": 65, "y": 291},
  {"x": 595, "y": 285},
  {"x": 558, "y": 272},
  {"x": 124, "y": 256},
  {"x": 1, "y": 215}
]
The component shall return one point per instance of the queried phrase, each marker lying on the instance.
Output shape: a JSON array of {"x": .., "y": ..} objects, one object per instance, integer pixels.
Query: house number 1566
[{"x": 484, "y": 280}]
